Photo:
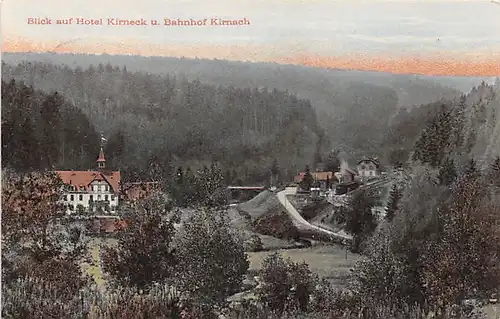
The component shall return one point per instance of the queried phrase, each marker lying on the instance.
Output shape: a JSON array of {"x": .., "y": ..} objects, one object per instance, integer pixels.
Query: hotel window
[
  {"x": 106, "y": 198},
  {"x": 80, "y": 197},
  {"x": 65, "y": 197},
  {"x": 72, "y": 197},
  {"x": 99, "y": 188},
  {"x": 112, "y": 197},
  {"x": 91, "y": 198},
  {"x": 82, "y": 189}
]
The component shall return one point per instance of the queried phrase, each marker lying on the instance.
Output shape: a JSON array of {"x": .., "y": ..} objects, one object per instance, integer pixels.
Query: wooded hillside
[
  {"x": 154, "y": 123},
  {"x": 353, "y": 107}
]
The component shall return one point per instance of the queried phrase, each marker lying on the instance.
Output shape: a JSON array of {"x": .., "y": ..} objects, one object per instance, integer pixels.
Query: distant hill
[
  {"x": 321, "y": 86},
  {"x": 353, "y": 107}
]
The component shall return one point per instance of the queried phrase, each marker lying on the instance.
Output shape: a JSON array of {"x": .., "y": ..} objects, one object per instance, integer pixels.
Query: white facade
[
  {"x": 367, "y": 169},
  {"x": 98, "y": 194}
]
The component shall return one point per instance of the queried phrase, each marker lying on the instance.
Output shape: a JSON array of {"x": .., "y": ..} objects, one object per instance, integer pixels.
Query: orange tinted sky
[{"x": 440, "y": 37}]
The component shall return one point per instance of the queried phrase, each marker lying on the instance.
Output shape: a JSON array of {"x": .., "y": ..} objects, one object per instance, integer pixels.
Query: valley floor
[{"x": 326, "y": 260}]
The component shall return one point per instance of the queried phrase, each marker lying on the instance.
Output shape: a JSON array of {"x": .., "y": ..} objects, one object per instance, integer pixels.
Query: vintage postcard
[{"x": 250, "y": 159}]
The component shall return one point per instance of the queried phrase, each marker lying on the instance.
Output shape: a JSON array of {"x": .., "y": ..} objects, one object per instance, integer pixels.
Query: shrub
[
  {"x": 254, "y": 243},
  {"x": 212, "y": 259},
  {"x": 37, "y": 298},
  {"x": 278, "y": 225},
  {"x": 285, "y": 285}
]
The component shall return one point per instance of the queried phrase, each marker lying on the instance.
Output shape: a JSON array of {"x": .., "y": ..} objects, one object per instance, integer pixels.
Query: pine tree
[
  {"x": 447, "y": 172},
  {"x": 332, "y": 162},
  {"x": 227, "y": 177},
  {"x": 360, "y": 221},
  {"x": 307, "y": 180},
  {"x": 179, "y": 176},
  {"x": 317, "y": 159},
  {"x": 398, "y": 157},
  {"x": 51, "y": 121},
  {"x": 115, "y": 148},
  {"x": 434, "y": 140},
  {"x": 471, "y": 169},
  {"x": 457, "y": 136},
  {"x": 392, "y": 206},
  {"x": 274, "y": 172},
  {"x": 494, "y": 172},
  {"x": 426, "y": 148},
  {"x": 22, "y": 153}
]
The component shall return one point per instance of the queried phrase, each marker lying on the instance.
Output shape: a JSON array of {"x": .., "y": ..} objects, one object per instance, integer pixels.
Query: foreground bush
[
  {"x": 343, "y": 308},
  {"x": 285, "y": 285},
  {"x": 254, "y": 243},
  {"x": 278, "y": 225},
  {"x": 144, "y": 254},
  {"x": 212, "y": 259},
  {"x": 35, "y": 298}
]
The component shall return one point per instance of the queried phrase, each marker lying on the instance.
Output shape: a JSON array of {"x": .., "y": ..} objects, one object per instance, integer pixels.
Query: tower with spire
[{"x": 101, "y": 161}]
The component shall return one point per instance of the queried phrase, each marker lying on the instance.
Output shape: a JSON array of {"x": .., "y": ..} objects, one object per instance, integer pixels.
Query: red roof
[
  {"x": 84, "y": 178},
  {"x": 101, "y": 156},
  {"x": 318, "y": 176}
]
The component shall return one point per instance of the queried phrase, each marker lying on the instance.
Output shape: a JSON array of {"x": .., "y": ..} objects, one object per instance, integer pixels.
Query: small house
[{"x": 368, "y": 167}]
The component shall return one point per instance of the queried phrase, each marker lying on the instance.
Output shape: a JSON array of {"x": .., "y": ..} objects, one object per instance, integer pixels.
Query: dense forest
[
  {"x": 468, "y": 125},
  {"x": 43, "y": 131},
  {"x": 155, "y": 123},
  {"x": 352, "y": 107}
]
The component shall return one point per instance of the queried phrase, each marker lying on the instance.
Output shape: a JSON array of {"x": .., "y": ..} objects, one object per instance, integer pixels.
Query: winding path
[{"x": 303, "y": 224}]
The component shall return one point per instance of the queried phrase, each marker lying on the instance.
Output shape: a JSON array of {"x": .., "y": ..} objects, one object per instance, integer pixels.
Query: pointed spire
[{"x": 101, "y": 161}]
